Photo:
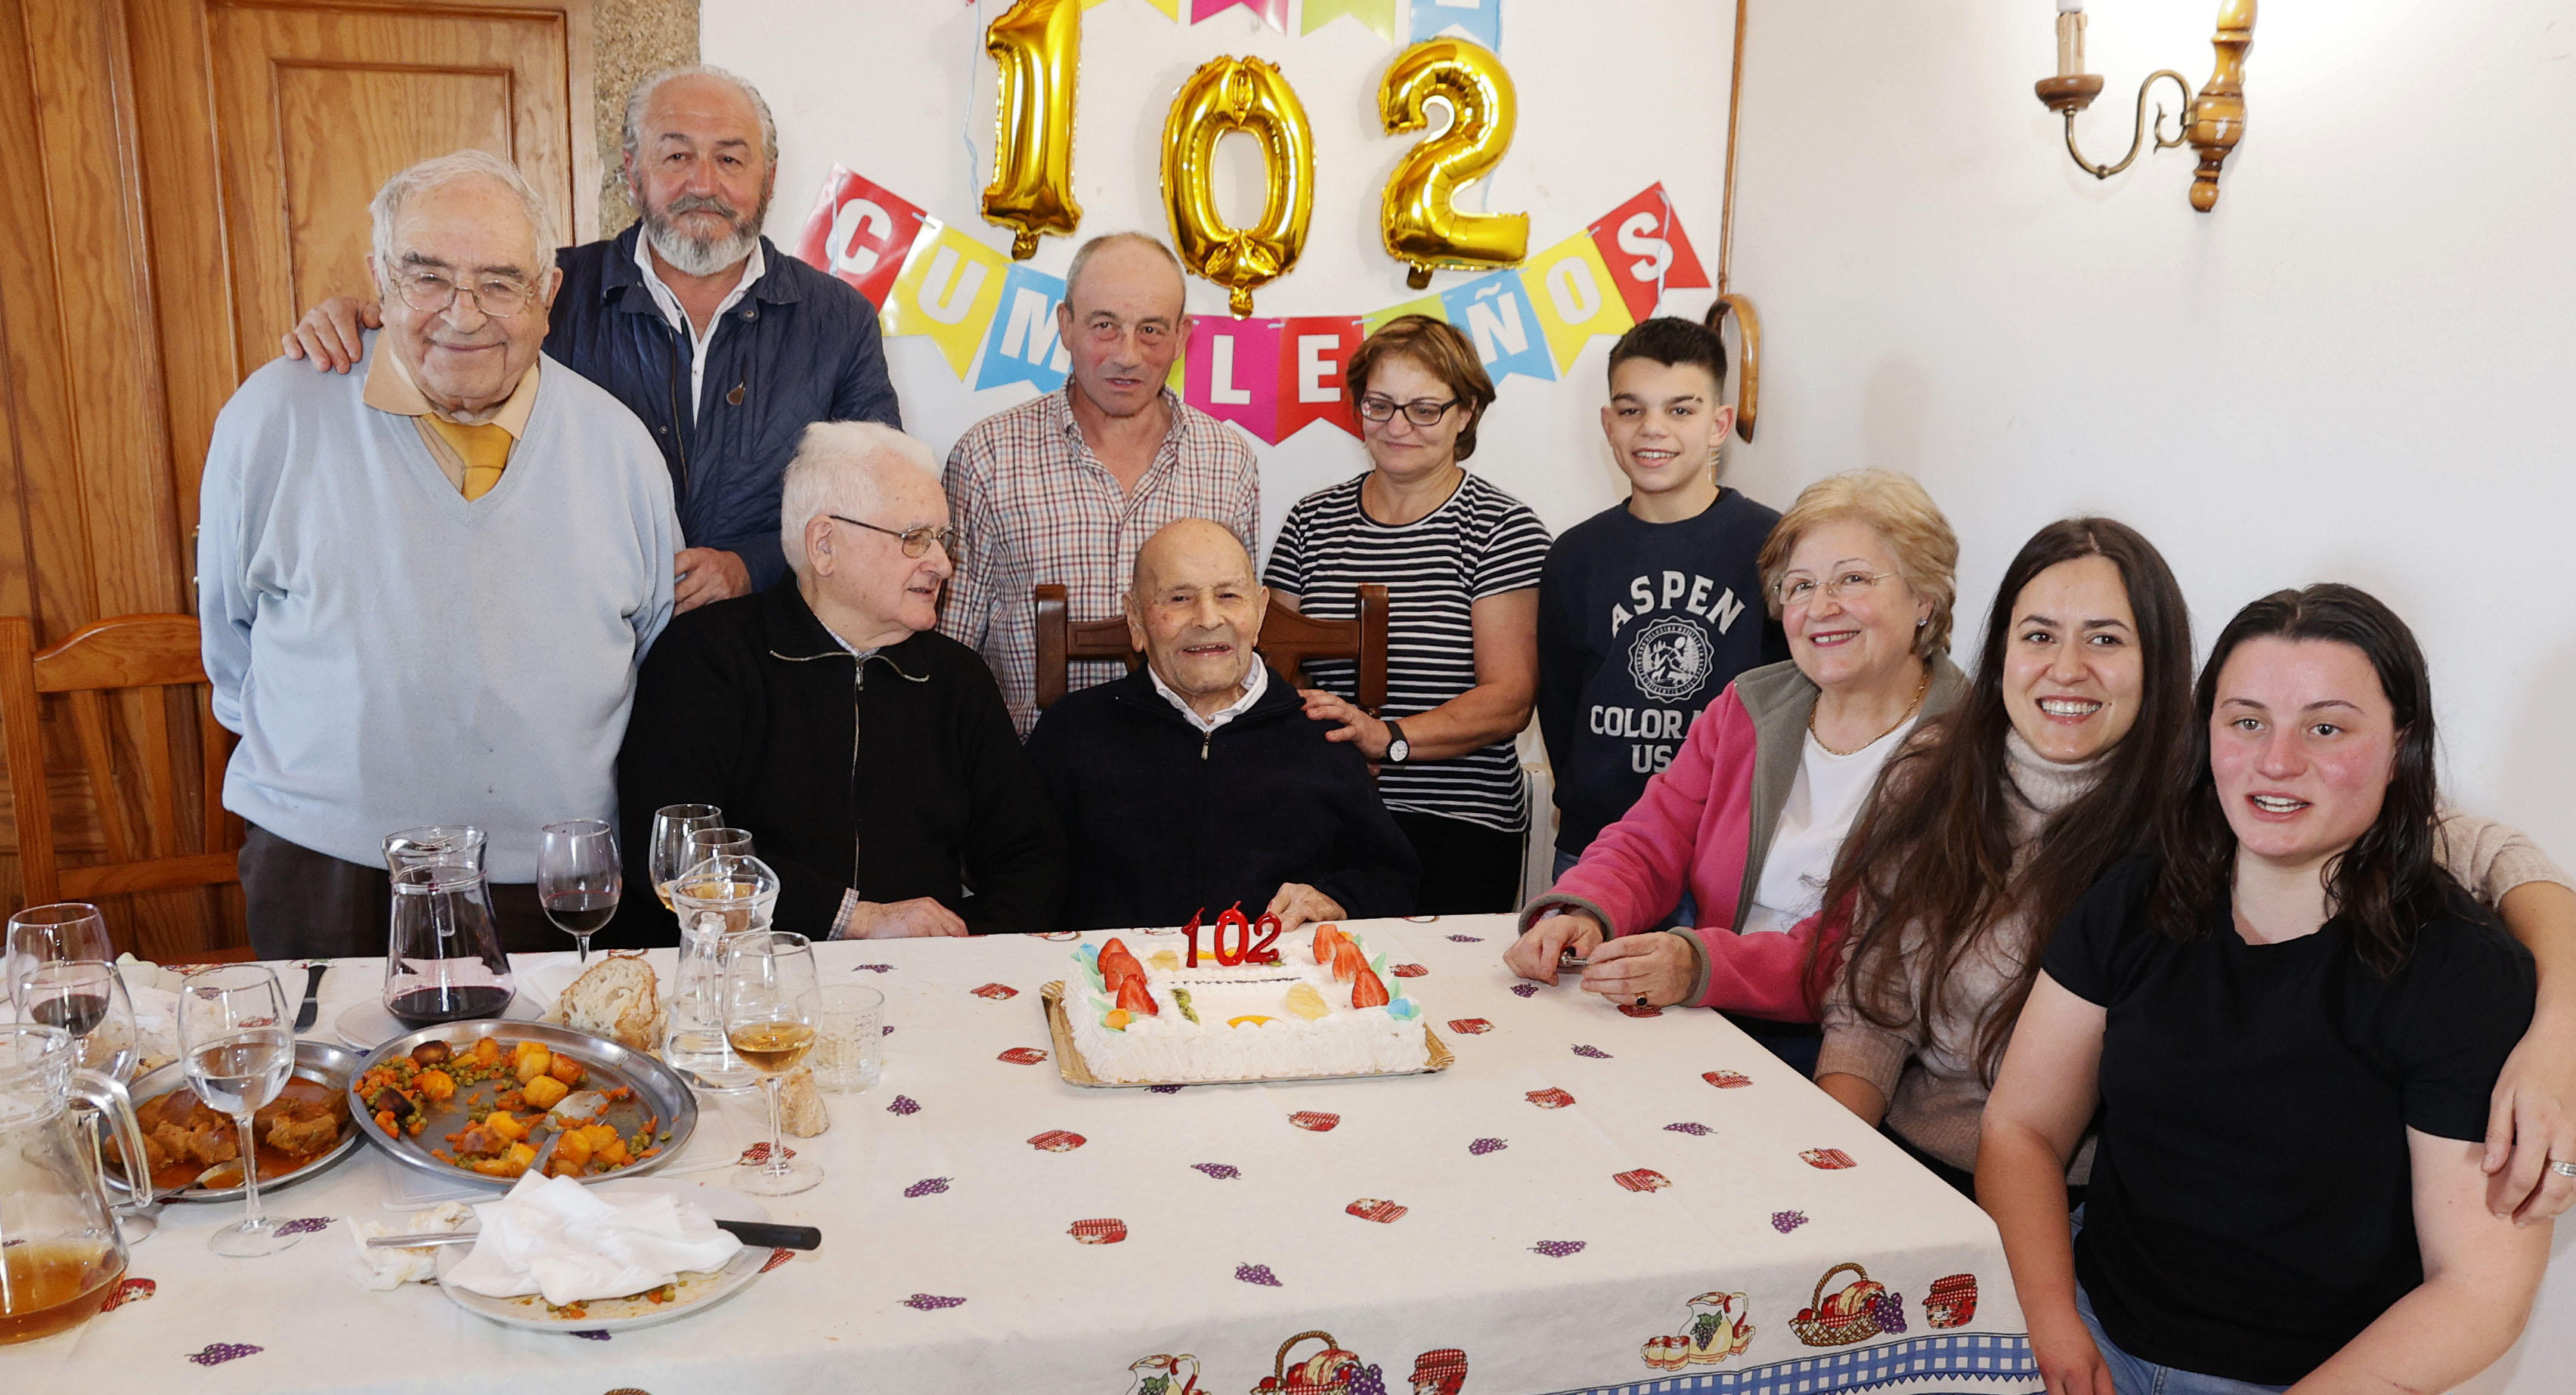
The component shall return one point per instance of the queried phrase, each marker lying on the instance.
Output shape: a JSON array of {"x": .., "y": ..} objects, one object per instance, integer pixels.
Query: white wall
[
  {"x": 900, "y": 89},
  {"x": 2356, "y": 369}
]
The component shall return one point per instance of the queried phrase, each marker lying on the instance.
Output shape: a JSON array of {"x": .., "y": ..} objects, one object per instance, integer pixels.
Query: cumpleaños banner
[
  {"x": 1480, "y": 20},
  {"x": 994, "y": 319}
]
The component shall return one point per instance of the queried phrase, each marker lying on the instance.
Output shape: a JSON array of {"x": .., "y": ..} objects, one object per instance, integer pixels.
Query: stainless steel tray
[
  {"x": 610, "y": 1065},
  {"x": 317, "y": 1061}
]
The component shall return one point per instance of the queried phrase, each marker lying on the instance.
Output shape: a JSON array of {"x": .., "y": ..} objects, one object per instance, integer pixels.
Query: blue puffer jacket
[{"x": 802, "y": 347}]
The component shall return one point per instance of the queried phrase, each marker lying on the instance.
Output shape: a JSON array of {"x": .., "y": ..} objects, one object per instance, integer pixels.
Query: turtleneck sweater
[{"x": 1928, "y": 1070}]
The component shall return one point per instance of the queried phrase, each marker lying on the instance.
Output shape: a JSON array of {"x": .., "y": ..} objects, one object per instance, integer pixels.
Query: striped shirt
[
  {"x": 1481, "y": 542},
  {"x": 1036, "y": 506}
]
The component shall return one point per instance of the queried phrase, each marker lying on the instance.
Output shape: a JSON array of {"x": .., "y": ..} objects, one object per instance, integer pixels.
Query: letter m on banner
[
  {"x": 1022, "y": 347},
  {"x": 860, "y": 233}
]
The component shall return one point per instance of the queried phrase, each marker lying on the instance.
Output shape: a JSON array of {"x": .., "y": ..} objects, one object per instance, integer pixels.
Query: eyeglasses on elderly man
[{"x": 916, "y": 541}]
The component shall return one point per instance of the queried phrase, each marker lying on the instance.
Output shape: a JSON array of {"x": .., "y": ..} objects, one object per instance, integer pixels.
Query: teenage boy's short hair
[{"x": 1672, "y": 342}]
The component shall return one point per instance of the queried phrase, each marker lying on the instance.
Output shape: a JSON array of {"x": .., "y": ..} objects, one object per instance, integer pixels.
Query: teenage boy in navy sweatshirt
[{"x": 1648, "y": 609}]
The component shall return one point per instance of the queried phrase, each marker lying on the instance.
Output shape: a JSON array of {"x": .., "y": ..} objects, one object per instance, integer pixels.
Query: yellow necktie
[{"x": 485, "y": 450}]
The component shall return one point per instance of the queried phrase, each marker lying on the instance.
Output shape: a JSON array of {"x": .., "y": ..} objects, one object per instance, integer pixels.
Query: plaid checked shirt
[{"x": 1037, "y": 506}]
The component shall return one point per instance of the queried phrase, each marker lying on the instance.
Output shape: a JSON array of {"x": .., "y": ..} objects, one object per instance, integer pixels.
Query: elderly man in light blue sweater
[{"x": 425, "y": 590}]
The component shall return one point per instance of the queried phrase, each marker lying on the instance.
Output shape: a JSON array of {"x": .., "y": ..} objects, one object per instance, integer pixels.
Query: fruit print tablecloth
[{"x": 1590, "y": 1200}]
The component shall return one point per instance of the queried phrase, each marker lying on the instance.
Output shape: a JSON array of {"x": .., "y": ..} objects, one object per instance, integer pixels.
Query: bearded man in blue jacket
[{"x": 726, "y": 349}]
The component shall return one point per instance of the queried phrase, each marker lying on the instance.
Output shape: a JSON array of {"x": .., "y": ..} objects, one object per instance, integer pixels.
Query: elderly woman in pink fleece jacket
[{"x": 1753, "y": 809}]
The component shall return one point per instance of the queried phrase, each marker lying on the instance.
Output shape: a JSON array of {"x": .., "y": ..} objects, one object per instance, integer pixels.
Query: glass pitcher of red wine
[
  {"x": 443, "y": 959},
  {"x": 60, "y": 1256}
]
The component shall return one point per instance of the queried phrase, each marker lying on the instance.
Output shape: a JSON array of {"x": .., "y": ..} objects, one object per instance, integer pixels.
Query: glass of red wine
[
  {"x": 443, "y": 959},
  {"x": 579, "y": 877},
  {"x": 58, "y": 933},
  {"x": 86, "y": 998}
]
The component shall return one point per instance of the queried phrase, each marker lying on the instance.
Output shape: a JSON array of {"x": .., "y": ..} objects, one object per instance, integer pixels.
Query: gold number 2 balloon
[
  {"x": 1037, "y": 45},
  {"x": 1422, "y": 226},
  {"x": 1238, "y": 94}
]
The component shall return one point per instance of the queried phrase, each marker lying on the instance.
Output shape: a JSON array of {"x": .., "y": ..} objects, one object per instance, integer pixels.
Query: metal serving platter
[
  {"x": 317, "y": 1061},
  {"x": 658, "y": 1090}
]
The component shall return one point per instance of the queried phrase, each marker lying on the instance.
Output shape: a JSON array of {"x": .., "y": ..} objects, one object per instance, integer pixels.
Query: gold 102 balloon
[
  {"x": 1248, "y": 95},
  {"x": 1037, "y": 45},
  {"x": 1422, "y": 226}
]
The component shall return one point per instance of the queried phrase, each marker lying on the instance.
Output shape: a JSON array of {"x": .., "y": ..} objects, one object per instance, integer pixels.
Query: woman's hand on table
[
  {"x": 1352, "y": 724},
  {"x": 920, "y": 917},
  {"x": 1655, "y": 969},
  {"x": 1298, "y": 903},
  {"x": 1536, "y": 952},
  {"x": 2532, "y": 1122}
]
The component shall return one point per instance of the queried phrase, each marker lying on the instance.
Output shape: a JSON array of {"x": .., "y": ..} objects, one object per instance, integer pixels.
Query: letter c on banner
[
  {"x": 855, "y": 219},
  {"x": 1037, "y": 46},
  {"x": 1248, "y": 95},
  {"x": 1421, "y": 226}
]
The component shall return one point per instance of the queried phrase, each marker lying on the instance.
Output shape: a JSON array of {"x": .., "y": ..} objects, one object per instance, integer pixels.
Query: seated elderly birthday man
[
  {"x": 869, "y": 756},
  {"x": 1198, "y": 783}
]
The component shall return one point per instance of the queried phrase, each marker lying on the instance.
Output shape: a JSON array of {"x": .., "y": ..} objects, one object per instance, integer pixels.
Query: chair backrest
[
  {"x": 1288, "y": 640},
  {"x": 130, "y": 651}
]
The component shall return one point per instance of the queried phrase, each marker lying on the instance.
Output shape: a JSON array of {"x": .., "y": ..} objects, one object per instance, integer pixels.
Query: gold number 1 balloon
[
  {"x": 1238, "y": 94},
  {"x": 1422, "y": 226},
  {"x": 1037, "y": 45}
]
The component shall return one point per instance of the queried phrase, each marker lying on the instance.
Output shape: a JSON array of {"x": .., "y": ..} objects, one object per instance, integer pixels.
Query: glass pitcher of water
[
  {"x": 60, "y": 1257},
  {"x": 716, "y": 900}
]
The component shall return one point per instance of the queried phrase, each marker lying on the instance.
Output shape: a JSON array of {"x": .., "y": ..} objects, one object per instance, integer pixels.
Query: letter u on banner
[
  {"x": 1234, "y": 373},
  {"x": 1495, "y": 314},
  {"x": 948, "y": 290}
]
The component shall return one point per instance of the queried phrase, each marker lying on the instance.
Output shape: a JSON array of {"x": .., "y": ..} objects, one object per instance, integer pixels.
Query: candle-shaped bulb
[
  {"x": 2070, "y": 37},
  {"x": 2070, "y": 7}
]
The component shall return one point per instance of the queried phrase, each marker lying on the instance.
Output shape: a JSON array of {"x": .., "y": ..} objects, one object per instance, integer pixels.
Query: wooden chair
[
  {"x": 129, "y": 651},
  {"x": 1288, "y": 640}
]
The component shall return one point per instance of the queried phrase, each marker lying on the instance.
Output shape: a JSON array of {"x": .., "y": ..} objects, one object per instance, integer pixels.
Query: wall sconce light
[{"x": 2214, "y": 117}]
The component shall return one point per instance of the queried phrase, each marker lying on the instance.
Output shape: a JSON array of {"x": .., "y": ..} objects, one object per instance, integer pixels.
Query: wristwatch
[{"x": 1398, "y": 750}]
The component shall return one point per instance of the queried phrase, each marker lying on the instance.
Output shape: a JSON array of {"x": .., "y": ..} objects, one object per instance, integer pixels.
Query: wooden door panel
[{"x": 316, "y": 104}]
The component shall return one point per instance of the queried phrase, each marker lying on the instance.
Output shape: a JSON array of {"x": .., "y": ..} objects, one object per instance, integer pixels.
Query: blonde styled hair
[{"x": 1892, "y": 505}]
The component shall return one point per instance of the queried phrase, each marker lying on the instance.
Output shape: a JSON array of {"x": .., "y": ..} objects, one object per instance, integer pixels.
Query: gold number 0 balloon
[
  {"x": 1421, "y": 226},
  {"x": 1238, "y": 94},
  {"x": 1037, "y": 46}
]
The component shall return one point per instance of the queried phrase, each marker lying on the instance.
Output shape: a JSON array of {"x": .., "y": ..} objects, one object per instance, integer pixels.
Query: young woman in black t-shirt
[{"x": 2290, "y": 1020}]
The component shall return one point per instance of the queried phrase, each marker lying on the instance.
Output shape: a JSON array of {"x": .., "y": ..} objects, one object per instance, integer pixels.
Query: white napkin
[
  {"x": 554, "y": 1236},
  {"x": 386, "y": 1270}
]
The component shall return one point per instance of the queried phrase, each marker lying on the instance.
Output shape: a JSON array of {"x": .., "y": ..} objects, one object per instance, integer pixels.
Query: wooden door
[{"x": 190, "y": 174}]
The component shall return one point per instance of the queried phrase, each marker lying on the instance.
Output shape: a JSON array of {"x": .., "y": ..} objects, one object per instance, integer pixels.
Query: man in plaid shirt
[{"x": 1066, "y": 487}]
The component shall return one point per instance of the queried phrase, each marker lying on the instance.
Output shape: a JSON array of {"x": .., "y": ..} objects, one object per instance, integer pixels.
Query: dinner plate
[
  {"x": 365, "y": 1025},
  {"x": 659, "y": 1091},
  {"x": 317, "y": 1061},
  {"x": 697, "y": 1295}
]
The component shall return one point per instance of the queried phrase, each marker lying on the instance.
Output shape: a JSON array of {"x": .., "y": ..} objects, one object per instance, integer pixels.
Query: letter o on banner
[{"x": 1248, "y": 95}]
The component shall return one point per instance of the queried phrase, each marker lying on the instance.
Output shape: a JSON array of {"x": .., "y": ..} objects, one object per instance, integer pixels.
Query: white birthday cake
[{"x": 1338, "y": 1011}]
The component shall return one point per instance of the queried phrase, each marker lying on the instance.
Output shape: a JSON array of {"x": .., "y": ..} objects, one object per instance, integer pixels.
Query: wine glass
[
  {"x": 772, "y": 1003},
  {"x": 65, "y": 930},
  {"x": 669, "y": 855},
  {"x": 707, "y": 843},
  {"x": 238, "y": 1046},
  {"x": 579, "y": 877},
  {"x": 87, "y": 998}
]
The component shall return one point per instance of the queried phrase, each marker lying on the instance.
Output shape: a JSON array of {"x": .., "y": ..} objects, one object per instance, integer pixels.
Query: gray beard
[{"x": 694, "y": 256}]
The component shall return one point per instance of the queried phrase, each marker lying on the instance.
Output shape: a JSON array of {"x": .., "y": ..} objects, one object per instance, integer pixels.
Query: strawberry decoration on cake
[{"x": 1367, "y": 989}]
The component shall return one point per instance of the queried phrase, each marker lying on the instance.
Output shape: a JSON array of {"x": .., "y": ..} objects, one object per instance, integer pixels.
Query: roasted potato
[
  {"x": 545, "y": 1091},
  {"x": 531, "y": 1061},
  {"x": 436, "y": 1084},
  {"x": 505, "y": 1124},
  {"x": 565, "y": 1069}
]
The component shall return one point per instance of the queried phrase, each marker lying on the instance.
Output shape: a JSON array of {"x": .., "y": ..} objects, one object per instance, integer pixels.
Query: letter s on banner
[{"x": 1645, "y": 251}]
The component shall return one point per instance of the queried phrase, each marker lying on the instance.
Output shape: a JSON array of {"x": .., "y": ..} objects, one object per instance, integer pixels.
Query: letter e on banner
[
  {"x": 1312, "y": 353},
  {"x": 1646, "y": 252},
  {"x": 1234, "y": 372},
  {"x": 860, "y": 233}
]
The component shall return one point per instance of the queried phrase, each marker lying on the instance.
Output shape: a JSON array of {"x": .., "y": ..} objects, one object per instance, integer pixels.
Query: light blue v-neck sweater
[{"x": 394, "y": 655}]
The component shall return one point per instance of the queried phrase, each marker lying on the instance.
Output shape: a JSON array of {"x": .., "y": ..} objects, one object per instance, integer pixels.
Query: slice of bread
[
  {"x": 801, "y": 1113},
  {"x": 618, "y": 997}
]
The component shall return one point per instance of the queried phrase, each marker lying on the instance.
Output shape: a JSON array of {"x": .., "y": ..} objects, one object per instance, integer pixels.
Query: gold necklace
[{"x": 1919, "y": 690}]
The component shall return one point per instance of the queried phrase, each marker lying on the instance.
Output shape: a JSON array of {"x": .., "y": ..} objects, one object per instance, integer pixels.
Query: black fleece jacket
[
  {"x": 1164, "y": 821},
  {"x": 900, "y": 775}
]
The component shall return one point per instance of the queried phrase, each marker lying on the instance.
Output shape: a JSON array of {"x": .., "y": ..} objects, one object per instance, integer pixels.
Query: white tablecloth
[{"x": 948, "y": 1262}]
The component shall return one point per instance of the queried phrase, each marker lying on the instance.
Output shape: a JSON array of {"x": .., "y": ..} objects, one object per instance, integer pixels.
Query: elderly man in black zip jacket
[
  {"x": 726, "y": 348},
  {"x": 869, "y": 756},
  {"x": 1198, "y": 782}
]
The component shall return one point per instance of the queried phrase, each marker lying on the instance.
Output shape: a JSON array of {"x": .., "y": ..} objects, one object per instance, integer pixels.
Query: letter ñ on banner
[
  {"x": 1479, "y": 20},
  {"x": 1494, "y": 312},
  {"x": 860, "y": 233},
  {"x": 1022, "y": 346},
  {"x": 1575, "y": 297},
  {"x": 1378, "y": 15},
  {"x": 1647, "y": 253},
  {"x": 1234, "y": 373},
  {"x": 948, "y": 290},
  {"x": 1272, "y": 12},
  {"x": 1312, "y": 354}
]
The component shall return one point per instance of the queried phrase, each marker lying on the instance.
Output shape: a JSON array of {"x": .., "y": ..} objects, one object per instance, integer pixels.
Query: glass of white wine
[
  {"x": 238, "y": 1048},
  {"x": 669, "y": 855},
  {"x": 772, "y": 1007}
]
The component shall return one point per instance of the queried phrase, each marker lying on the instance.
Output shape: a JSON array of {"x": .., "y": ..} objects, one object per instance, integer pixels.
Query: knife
[
  {"x": 313, "y": 973},
  {"x": 754, "y": 1233}
]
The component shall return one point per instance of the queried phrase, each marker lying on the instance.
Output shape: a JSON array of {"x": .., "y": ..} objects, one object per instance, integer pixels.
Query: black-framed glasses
[
  {"x": 916, "y": 541},
  {"x": 431, "y": 293},
  {"x": 1421, "y": 411}
]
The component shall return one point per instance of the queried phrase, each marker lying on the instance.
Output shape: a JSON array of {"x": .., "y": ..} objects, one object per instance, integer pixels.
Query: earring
[{"x": 1926, "y": 620}]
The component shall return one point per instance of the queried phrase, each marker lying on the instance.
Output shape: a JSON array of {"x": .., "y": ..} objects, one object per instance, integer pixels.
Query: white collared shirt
[
  {"x": 1253, "y": 688},
  {"x": 753, "y": 267}
]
